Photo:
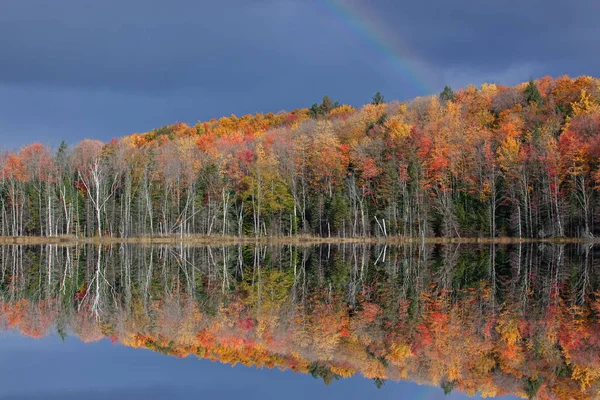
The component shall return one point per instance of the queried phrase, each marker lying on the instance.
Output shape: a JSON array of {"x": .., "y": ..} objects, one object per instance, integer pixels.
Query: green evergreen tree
[
  {"x": 319, "y": 370},
  {"x": 62, "y": 156},
  {"x": 532, "y": 387},
  {"x": 62, "y": 149},
  {"x": 327, "y": 105},
  {"x": 378, "y": 99},
  {"x": 448, "y": 387},
  {"x": 379, "y": 382},
  {"x": 447, "y": 94},
  {"x": 314, "y": 111},
  {"x": 532, "y": 94}
]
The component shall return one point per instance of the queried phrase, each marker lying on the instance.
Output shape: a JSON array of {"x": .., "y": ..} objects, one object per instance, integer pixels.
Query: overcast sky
[{"x": 71, "y": 69}]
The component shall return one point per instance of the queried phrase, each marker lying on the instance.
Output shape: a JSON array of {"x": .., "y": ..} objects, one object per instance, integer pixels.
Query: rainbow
[{"x": 369, "y": 30}]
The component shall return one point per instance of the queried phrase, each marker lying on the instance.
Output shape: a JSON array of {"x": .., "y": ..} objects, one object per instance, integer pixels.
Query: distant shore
[{"x": 278, "y": 240}]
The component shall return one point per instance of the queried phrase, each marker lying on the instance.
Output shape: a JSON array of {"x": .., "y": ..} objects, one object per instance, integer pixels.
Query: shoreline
[{"x": 279, "y": 240}]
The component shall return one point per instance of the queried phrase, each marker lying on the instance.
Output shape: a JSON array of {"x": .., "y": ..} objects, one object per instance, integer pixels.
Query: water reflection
[{"x": 477, "y": 319}]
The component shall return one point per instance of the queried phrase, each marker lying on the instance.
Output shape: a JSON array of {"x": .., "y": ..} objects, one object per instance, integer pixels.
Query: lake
[{"x": 347, "y": 320}]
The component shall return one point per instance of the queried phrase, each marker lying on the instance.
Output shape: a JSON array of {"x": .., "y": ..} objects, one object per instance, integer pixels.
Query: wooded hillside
[{"x": 492, "y": 161}]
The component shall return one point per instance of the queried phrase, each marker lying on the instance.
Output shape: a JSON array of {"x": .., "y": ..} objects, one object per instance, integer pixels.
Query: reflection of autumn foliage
[
  {"x": 86, "y": 327},
  {"x": 528, "y": 334},
  {"x": 33, "y": 319}
]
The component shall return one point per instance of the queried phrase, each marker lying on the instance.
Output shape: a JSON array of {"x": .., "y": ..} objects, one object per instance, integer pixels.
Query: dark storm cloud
[
  {"x": 136, "y": 45},
  {"x": 76, "y": 68},
  {"x": 496, "y": 33}
]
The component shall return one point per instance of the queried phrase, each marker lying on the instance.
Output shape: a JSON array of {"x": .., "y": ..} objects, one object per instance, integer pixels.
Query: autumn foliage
[{"x": 481, "y": 161}]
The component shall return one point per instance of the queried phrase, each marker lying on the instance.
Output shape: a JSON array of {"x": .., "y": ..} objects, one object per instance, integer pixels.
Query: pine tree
[
  {"x": 447, "y": 94},
  {"x": 327, "y": 105},
  {"x": 532, "y": 94},
  {"x": 316, "y": 110},
  {"x": 377, "y": 99}
]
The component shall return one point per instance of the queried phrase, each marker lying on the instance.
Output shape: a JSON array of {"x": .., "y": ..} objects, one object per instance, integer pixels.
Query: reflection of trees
[{"x": 489, "y": 319}]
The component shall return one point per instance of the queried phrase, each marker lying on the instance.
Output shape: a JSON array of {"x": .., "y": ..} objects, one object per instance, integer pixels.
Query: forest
[
  {"x": 489, "y": 319},
  {"x": 490, "y": 161}
]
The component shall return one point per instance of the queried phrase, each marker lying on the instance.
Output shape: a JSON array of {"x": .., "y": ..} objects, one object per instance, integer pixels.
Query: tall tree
[
  {"x": 96, "y": 176},
  {"x": 532, "y": 93},
  {"x": 377, "y": 99},
  {"x": 447, "y": 94}
]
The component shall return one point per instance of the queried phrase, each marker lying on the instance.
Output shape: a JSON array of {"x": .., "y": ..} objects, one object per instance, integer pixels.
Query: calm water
[{"x": 338, "y": 321}]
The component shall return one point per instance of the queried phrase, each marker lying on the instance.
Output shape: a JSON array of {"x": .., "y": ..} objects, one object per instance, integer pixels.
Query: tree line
[{"x": 490, "y": 161}]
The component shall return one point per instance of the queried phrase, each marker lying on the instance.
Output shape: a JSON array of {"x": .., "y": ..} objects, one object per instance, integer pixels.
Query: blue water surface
[{"x": 49, "y": 368}]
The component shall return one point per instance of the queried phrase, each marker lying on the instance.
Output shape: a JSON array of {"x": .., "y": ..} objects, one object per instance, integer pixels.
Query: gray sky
[{"x": 72, "y": 69}]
